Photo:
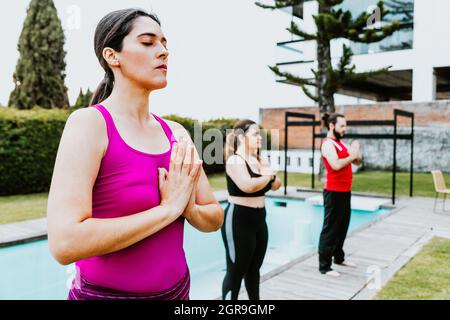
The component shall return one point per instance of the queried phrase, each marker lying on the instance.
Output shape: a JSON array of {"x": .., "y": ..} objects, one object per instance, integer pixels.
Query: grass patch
[
  {"x": 425, "y": 277},
  {"x": 23, "y": 207},
  {"x": 217, "y": 181},
  {"x": 378, "y": 182}
]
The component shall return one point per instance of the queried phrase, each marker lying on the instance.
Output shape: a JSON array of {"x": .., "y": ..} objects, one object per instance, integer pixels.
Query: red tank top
[{"x": 340, "y": 180}]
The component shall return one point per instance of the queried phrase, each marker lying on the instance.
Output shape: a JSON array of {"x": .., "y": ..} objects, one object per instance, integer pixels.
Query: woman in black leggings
[{"x": 244, "y": 231}]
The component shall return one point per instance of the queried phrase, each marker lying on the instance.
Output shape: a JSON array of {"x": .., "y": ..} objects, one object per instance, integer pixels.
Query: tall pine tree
[
  {"x": 332, "y": 23},
  {"x": 83, "y": 100},
  {"x": 40, "y": 71}
]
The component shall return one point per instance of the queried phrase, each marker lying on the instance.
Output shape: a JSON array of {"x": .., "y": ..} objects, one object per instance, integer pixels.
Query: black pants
[
  {"x": 245, "y": 236},
  {"x": 335, "y": 226}
]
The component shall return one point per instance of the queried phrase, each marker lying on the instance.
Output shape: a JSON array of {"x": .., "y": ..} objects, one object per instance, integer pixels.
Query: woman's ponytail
[
  {"x": 104, "y": 89},
  {"x": 230, "y": 144}
]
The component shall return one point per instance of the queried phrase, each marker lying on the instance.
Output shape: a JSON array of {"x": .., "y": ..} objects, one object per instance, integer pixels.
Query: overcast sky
[{"x": 219, "y": 52}]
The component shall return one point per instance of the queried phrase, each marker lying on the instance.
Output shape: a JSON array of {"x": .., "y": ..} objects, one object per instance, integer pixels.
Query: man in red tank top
[{"x": 338, "y": 159}]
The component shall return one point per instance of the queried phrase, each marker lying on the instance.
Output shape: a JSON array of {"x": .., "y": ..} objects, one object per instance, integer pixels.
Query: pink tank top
[{"x": 127, "y": 183}]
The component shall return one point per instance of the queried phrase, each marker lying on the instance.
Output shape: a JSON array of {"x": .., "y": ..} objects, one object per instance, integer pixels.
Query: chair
[{"x": 439, "y": 187}]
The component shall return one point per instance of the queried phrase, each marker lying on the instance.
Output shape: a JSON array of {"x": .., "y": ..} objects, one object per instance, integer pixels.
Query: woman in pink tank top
[{"x": 125, "y": 180}]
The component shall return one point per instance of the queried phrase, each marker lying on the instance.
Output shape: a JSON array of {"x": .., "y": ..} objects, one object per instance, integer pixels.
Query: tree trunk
[
  {"x": 326, "y": 97},
  {"x": 325, "y": 94}
]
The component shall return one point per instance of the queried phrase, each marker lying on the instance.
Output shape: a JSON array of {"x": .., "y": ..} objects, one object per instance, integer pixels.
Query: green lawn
[
  {"x": 425, "y": 277},
  {"x": 20, "y": 208},
  {"x": 378, "y": 182}
]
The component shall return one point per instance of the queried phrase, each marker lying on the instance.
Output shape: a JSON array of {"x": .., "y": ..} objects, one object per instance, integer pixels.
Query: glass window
[{"x": 401, "y": 10}]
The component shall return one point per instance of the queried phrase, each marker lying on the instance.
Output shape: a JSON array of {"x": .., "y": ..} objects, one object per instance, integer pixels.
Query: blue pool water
[{"x": 28, "y": 271}]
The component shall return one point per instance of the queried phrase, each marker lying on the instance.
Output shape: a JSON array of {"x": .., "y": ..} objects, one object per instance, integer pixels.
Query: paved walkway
[
  {"x": 21, "y": 232},
  {"x": 378, "y": 250}
]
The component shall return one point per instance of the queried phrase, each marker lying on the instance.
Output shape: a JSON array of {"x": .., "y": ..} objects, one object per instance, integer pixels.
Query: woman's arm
[
  {"x": 203, "y": 211},
  {"x": 276, "y": 184},
  {"x": 237, "y": 170},
  {"x": 72, "y": 232}
]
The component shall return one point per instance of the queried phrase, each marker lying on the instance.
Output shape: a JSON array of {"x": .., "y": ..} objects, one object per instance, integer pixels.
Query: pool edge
[
  {"x": 221, "y": 196},
  {"x": 14, "y": 242}
]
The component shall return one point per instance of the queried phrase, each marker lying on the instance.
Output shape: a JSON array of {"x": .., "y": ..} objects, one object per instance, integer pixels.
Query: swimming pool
[{"x": 28, "y": 271}]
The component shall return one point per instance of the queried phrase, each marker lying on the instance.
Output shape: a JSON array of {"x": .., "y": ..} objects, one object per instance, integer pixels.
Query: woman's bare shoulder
[
  {"x": 85, "y": 117},
  {"x": 87, "y": 123},
  {"x": 235, "y": 159}
]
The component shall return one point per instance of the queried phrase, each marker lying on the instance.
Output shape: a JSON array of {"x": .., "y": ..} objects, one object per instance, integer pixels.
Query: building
[
  {"x": 419, "y": 76},
  {"x": 419, "y": 54}
]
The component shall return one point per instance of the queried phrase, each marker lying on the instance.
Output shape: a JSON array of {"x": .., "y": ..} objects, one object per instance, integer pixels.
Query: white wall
[
  {"x": 276, "y": 158},
  {"x": 431, "y": 45}
]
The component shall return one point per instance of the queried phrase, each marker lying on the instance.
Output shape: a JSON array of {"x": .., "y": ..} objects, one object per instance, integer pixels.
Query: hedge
[{"x": 29, "y": 141}]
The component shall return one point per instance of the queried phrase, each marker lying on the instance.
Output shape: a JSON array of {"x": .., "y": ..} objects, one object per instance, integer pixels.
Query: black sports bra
[{"x": 233, "y": 189}]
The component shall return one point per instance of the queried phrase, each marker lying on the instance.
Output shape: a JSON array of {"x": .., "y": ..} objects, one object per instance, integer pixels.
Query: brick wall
[{"x": 426, "y": 115}]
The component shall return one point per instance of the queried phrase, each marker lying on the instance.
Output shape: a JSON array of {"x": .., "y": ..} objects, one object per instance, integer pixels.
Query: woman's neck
[
  {"x": 250, "y": 153},
  {"x": 130, "y": 101}
]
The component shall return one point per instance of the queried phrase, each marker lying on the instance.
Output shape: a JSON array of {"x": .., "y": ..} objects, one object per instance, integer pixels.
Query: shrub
[{"x": 29, "y": 141}]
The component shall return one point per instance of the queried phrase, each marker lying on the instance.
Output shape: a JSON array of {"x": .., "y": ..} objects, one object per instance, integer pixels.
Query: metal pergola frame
[{"x": 366, "y": 123}]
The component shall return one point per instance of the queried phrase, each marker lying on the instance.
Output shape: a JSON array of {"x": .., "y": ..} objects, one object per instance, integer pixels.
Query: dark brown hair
[
  {"x": 330, "y": 118},
  {"x": 110, "y": 32}
]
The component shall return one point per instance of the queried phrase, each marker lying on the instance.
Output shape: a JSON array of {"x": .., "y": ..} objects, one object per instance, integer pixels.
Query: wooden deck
[{"x": 379, "y": 250}]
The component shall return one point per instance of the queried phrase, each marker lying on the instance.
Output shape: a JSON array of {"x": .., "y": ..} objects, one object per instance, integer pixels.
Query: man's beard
[{"x": 337, "y": 135}]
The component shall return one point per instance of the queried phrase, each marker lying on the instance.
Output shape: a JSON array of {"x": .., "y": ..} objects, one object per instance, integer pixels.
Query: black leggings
[
  {"x": 245, "y": 236},
  {"x": 335, "y": 226}
]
